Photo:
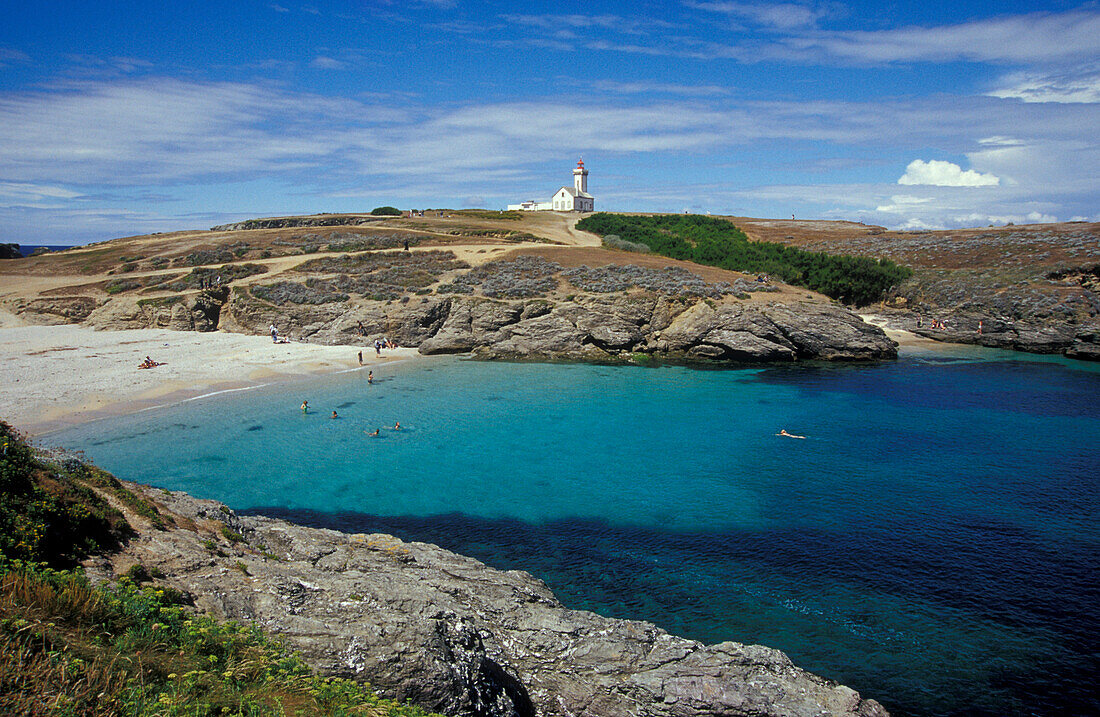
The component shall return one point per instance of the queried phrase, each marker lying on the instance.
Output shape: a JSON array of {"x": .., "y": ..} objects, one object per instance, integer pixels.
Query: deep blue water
[
  {"x": 933, "y": 542},
  {"x": 28, "y": 249}
]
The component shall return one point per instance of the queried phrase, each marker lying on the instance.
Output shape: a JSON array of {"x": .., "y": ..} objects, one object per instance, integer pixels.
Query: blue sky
[{"x": 125, "y": 118}]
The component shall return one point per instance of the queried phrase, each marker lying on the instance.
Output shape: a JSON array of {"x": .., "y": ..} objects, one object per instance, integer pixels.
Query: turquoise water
[{"x": 933, "y": 542}]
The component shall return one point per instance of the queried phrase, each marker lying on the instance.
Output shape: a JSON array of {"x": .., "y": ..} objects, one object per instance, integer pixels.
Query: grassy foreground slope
[
  {"x": 717, "y": 242},
  {"x": 131, "y": 648}
]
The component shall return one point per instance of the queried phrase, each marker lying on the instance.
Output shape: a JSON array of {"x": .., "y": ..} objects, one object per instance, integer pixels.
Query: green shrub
[
  {"x": 386, "y": 212},
  {"x": 717, "y": 242}
]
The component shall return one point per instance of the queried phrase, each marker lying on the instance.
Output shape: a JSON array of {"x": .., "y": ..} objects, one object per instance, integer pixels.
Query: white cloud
[
  {"x": 1065, "y": 87},
  {"x": 945, "y": 174},
  {"x": 902, "y": 203}
]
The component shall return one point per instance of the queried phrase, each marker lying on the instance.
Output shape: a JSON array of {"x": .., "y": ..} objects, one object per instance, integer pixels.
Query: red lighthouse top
[{"x": 580, "y": 163}]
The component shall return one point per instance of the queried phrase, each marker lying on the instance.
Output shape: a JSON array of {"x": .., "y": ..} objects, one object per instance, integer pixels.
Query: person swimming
[
  {"x": 305, "y": 406},
  {"x": 374, "y": 434},
  {"x": 397, "y": 426},
  {"x": 334, "y": 414},
  {"x": 783, "y": 432},
  {"x": 370, "y": 376}
]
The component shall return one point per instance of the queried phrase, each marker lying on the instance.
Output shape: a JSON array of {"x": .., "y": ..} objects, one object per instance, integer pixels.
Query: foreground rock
[{"x": 449, "y": 633}]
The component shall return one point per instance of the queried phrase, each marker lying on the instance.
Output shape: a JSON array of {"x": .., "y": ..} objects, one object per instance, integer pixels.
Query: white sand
[{"x": 52, "y": 376}]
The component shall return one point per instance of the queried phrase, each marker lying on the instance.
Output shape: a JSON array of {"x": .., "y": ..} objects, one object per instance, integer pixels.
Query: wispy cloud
[
  {"x": 157, "y": 130},
  {"x": 780, "y": 16},
  {"x": 1069, "y": 86},
  {"x": 323, "y": 62},
  {"x": 795, "y": 36},
  {"x": 11, "y": 56},
  {"x": 665, "y": 88}
]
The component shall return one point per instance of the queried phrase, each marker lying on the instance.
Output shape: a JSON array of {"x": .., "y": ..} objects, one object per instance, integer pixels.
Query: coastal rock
[
  {"x": 57, "y": 310},
  {"x": 830, "y": 332},
  {"x": 200, "y": 311},
  {"x": 599, "y": 329},
  {"x": 453, "y": 635},
  {"x": 290, "y": 222},
  {"x": 10, "y": 251},
  {"x": 408, "y": 322}
]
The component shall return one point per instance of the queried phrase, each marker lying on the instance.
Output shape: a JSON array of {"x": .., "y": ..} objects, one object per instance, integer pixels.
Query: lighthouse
[
  {"x": 566, "y": 199},
  {"x": 580, "y": 178}
]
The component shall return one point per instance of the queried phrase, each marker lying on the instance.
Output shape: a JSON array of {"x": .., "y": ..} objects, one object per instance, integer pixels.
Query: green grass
[{"x": 717, "y": 242}]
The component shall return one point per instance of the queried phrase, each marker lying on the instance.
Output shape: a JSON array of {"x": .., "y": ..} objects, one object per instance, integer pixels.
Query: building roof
[{"x": 574, "y": 193}]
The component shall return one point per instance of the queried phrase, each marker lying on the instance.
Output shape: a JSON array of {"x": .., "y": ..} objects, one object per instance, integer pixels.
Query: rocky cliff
[
  {"x": 450, "y": 633},
  {"x": 516, "y": 309},
  {"x": 1030, "y": 288}
]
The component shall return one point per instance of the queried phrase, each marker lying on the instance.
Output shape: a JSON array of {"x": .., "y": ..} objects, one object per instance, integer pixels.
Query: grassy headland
[{"x": 132, "y": 647}]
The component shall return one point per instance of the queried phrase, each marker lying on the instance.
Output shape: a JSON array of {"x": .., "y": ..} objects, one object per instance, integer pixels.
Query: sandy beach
[{"x": 60, "y": 375}]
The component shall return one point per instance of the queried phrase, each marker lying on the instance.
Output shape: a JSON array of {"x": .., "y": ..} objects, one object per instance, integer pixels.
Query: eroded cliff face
[
  {"x": 449, "y": 633},
  {"x": 583, "y": 328}
]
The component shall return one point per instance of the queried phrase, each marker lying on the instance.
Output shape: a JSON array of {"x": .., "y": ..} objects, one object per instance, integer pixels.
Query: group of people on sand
[
  {"x": 276, "y": 338},
  {"x": 373, "y": 434},
  {"x": 149, "y": 363}
]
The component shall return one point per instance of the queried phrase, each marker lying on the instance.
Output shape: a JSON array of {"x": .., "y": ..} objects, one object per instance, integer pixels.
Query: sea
[{"x": 933, "y": 541}]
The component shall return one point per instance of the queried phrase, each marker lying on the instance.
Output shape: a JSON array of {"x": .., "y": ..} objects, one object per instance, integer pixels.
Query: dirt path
[{"x": 561, "y": 227}]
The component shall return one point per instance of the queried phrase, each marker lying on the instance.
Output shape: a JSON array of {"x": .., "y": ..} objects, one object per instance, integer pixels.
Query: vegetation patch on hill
[
  {"x": 381, "y": 275},
  {"x": 717, "y": 242},
  {"x": 522, "y": 277},
  {"x": 132, "y": 648}
]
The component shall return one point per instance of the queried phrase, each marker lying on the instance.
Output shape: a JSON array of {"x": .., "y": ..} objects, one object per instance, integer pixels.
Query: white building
[{"x": 566, "y": 199}]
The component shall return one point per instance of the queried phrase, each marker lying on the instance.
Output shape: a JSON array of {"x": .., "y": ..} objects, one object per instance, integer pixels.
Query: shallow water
[{"x": 933, "y": 542}]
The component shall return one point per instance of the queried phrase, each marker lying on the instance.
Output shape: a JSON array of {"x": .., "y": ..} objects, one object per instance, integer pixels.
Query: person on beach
[
  {"x": 377, "y": 347},
  {"x": 370, "y": 376},
  {"x": 305, "y": 406},
  {"x": 274, "y": 334},
  {"x": 360, "y": 358},
  {"x": 334, "y": 414},
  {"x": 783, "y": 432}
]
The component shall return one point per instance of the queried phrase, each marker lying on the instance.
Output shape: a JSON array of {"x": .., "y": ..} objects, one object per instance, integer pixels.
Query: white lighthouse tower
[{"x": 580, "y": 178}]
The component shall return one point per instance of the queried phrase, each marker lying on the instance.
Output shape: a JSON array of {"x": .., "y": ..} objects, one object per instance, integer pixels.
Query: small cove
[{"x": 931, "y": 543}]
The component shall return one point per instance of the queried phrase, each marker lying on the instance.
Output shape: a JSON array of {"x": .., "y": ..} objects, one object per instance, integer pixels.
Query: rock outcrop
[
  {"x": 449, "y": 633},
  {"x": 598, "y": 328},
  {"x": 291, "y": 222},
  {"x": 199, "y": 311}
]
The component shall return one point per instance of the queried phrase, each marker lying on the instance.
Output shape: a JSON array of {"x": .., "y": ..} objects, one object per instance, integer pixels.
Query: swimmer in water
[
  {"x": 370, "y": 376},
  {"x": 397, "y": 426},
  {"x": 374, "y": 434},
  {"x": 305, "y": 406},
  {"x": 783, "y": 432},
  {"x": 334, "y": 414}
]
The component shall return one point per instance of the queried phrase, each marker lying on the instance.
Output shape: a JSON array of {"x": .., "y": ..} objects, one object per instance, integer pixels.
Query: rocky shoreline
[
  {"x": 447, "y": 632},
  {"x": 583, "y": 328}
]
